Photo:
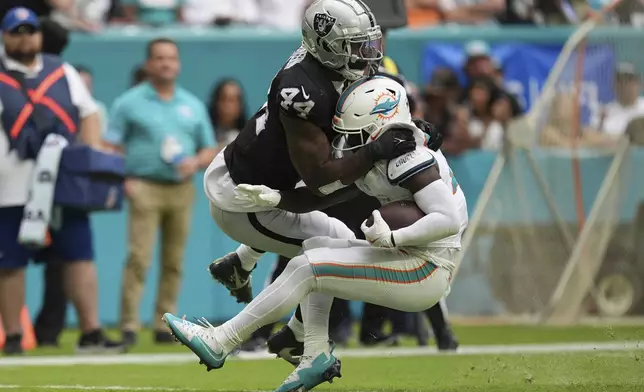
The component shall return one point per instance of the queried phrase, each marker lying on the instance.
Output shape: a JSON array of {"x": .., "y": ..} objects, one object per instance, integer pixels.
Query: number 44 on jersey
[{"x": 302, "y": 108}]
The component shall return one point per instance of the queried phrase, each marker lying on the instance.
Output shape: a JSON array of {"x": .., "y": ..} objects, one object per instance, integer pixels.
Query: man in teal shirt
[{"x": 166, "y": 136}]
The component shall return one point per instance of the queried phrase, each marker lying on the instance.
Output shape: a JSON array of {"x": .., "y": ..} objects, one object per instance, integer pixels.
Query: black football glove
[
  {"x": 434, "y": 138},
  {"x": 392, "y": 144}
]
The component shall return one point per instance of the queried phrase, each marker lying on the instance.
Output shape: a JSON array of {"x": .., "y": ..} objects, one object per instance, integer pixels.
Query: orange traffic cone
[{"x": 28, "y": 335}]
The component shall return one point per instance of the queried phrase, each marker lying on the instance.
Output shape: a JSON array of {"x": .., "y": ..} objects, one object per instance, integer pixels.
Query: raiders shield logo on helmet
[{"x": 323, "y": 23}]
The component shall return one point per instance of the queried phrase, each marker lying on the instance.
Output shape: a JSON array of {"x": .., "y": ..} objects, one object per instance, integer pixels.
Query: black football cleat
[
  {"x": 379, "y": 339},
  {"x": 447, "y": 342},
  {"x": 96, "y": 342},
  {"x": 228, "y": 271},
  {"x": 13, "y": 345},
  {"x": 285, "y": 346}
]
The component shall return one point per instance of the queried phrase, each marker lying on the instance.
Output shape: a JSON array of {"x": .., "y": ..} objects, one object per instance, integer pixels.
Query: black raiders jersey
[{"x": 302, "y": 89}]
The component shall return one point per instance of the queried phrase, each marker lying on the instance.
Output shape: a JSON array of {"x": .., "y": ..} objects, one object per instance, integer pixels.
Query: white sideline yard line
[
  {"x": 98, "y": 388},
  {"x": 177, "y": 358},
  {"x": 115, "y": 388}
]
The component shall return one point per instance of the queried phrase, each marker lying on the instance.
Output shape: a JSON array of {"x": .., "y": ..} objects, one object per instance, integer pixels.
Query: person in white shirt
[
  {"x": 274, "y": 14},
  {"x": 83, "y": 15},
  {"x": 614, "y": 118},
  {"x": 59, "y": 104}
]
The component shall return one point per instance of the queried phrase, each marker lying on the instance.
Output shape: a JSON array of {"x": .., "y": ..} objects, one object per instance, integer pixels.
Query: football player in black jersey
[{"x": 289, "y": 140}]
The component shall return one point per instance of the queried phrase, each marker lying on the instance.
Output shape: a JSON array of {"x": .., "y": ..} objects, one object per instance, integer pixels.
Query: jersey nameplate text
[{"x": 405, "y": 166}]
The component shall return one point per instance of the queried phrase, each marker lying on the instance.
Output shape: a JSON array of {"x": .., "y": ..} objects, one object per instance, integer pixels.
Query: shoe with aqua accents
[
  {"x": 198, "y": 338},
  {"x": 312, "y": 372}
]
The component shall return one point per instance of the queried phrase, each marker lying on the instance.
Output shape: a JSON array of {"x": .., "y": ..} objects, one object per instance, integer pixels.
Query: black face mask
[{"x": 355, "y": 139}]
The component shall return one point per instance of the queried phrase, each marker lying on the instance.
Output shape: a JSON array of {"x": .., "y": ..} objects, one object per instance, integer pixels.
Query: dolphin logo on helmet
[{"x": 386, "y": 108}]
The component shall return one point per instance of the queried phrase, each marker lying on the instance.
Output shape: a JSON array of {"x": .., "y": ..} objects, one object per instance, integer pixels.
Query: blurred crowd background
[
  {"x": 93, "y": 15},
  {"x": 472, "y": 115}
]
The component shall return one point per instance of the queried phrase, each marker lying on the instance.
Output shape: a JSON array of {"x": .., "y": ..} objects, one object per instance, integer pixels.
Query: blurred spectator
[
  {"x": 471, "y": 11},
  {"x": 279, "y": 14},
  {"x": 630, "y": 12},
  {"x": 227, "y": 110},
  {"x": 563, "y": 12},
  {"x": 539, "y": 12},
  {"x": 39, "y": 7},
  {"x": 628, "y": 104},
  {"x": 83, "y": 15},
  {"x": 497, "y": 74},
  {"x": 70, "y": 236},
  {"x": 478, "y": 63},
  {"x": 484, "y": 129},
  {"x": 115, "y": 14},
  {"x": 521, "y": 12},
  {"x": 55, "y": 36},
  {"x": 138, "y": 75},
  {"x": 441, "y": 97},
  {"x": 88, "y": 78},
  {"x": 221, "y": 12},
  {"x": 428, "y": 12},
  {"x": 72, "y": 14},
  {"x": 421, "y": 13},
  {"x": 153, "y": 12},
  {"x": 561, "y": 125},
  {"x": 167, "y": 137}
]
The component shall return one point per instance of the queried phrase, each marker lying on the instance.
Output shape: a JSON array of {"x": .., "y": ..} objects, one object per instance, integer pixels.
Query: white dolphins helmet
[{"x": 365, "y": 107}]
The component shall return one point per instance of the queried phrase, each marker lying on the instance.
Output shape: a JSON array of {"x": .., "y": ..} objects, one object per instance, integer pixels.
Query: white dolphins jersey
[{"x": 382, "y": 182}]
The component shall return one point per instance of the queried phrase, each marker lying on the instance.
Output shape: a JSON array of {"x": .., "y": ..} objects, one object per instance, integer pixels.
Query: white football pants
[{"x": 348, "y": 269}]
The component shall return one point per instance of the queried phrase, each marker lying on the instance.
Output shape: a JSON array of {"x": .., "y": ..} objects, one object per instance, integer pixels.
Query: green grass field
[{"x": 559, "y": 369}]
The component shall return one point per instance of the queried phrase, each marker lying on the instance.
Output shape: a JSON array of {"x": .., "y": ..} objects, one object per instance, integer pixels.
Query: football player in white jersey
[{"x": 407, "y": 269}]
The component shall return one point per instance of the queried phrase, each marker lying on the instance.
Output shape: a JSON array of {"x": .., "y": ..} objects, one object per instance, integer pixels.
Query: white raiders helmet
[
  {"x": 343, "y": 35},
  {"x": 365, "y": 108}
]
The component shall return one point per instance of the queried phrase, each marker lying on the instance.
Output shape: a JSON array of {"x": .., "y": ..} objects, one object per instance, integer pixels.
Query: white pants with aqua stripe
[
  {"x": 348, "y": 269},
  {"x": 356, "y": 271}
]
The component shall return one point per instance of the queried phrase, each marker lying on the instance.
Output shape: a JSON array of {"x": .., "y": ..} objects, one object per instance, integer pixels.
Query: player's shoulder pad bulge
[
  {"x": 299, "y": 97},
  {"x": 405, "y": 166}
]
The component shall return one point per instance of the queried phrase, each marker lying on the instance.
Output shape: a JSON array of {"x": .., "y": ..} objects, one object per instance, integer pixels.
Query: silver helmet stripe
[{"x": 372, "y": 19}]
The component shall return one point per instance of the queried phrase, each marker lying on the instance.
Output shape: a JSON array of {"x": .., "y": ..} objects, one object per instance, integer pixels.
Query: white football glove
[
  {"x": 258, "y": 195},
  {"x": 378, "y": 234}
]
